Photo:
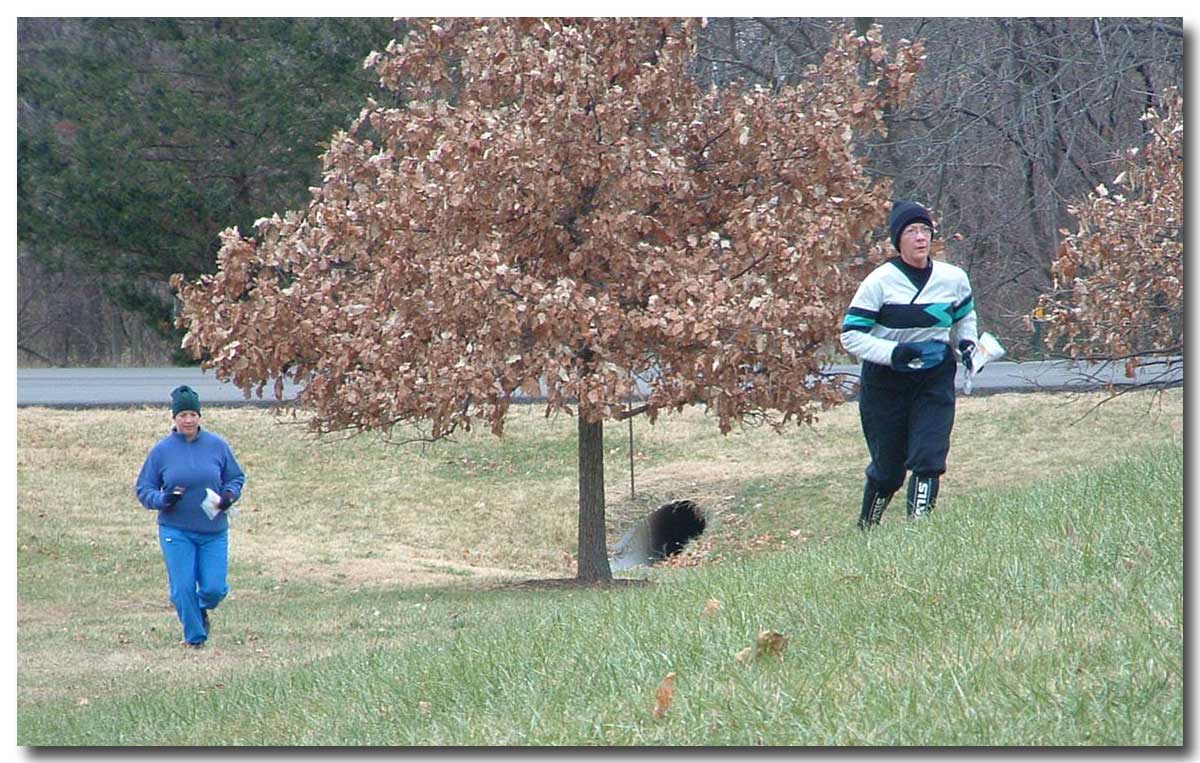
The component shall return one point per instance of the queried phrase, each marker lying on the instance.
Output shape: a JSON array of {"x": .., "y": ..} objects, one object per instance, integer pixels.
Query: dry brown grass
[{"x": 362, "y": 511}]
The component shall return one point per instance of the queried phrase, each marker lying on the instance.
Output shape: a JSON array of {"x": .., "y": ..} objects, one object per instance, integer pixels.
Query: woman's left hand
[{"x": 967, "y": 349}]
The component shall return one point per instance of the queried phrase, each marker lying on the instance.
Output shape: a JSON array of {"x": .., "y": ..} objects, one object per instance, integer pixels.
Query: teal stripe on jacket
[
  {"x": 857, "y": 323},
  {"x": 965, "y": 309}
]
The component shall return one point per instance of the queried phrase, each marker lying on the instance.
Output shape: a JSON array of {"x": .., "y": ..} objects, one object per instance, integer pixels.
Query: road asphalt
[{"x": 126, "y": 387}]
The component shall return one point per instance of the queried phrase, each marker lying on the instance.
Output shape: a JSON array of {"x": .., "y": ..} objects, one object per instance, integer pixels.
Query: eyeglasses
[{"x": 914, "y": 229}]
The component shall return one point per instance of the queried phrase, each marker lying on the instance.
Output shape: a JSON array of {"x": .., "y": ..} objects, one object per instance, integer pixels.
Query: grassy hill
[{"x": 377, "y": 596}]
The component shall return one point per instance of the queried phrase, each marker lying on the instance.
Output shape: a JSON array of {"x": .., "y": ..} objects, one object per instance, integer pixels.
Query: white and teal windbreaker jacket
[{"x": 898, "y": 303}]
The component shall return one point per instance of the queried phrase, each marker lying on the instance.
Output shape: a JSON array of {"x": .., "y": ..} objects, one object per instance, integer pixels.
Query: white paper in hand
[
  {"x": 210, "y": 502},
  {"x": 987, "y": 349}
]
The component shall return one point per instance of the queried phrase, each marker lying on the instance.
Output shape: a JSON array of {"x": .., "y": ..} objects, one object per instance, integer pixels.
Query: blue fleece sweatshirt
[{"x": 205, "y": 462}]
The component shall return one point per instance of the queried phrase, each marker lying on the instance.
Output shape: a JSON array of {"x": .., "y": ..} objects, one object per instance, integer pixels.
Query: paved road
[{"x": 123, "y": 387}]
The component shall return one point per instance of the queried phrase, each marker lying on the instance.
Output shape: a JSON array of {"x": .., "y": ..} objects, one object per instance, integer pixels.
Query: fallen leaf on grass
[
  {"x": 662, "y": 697},
  {"x": 698, "y": 552},
  {"x": 711, "y": 608},
  {"x": 768, "y": 642}
]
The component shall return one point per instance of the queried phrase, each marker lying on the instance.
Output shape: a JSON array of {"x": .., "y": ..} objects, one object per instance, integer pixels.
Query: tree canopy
[
  {"x": 558, "y": 203},
  {"x": 1118, "y": 278}
]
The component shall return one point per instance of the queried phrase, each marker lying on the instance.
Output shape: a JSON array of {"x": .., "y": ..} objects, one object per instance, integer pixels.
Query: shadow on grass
[{"x": 567, "y": 584}]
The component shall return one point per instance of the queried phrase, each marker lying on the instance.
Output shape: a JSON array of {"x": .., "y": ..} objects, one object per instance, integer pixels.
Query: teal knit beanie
[{"x": 184, "y": 398}]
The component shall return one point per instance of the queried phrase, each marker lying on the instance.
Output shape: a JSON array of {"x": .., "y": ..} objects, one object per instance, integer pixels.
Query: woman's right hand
[
  {"x": 905, "y": 353},
  {"x": 174, "y": 496}
]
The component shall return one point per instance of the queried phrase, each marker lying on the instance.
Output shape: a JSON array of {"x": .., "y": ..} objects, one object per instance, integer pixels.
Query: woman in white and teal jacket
[
  {"x": 174, "y": 481},
  {"x": 903, "y": 321}
]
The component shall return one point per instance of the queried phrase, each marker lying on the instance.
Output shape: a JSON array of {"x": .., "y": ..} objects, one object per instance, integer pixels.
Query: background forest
[{"x": 139, "y": 140}]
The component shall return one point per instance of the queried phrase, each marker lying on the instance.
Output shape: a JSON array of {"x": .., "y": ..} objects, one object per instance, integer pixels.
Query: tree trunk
[{"x": 593, "y": 545}]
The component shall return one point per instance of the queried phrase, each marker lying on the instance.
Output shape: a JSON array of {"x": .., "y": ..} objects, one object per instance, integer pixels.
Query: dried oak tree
[
  {"x": 558, "y": 209},
  {"x": 1118, "y": 278}
]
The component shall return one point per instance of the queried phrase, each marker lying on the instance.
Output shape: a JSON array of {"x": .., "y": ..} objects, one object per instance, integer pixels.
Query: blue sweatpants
[{"x": 197, "y": 567}]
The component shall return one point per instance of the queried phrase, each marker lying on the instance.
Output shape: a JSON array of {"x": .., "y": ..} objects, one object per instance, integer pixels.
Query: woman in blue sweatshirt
[{"x": 174, "y": 481}]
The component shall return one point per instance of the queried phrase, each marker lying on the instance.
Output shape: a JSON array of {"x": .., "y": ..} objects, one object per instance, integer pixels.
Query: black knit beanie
[
  {"x": 904, "y": 213},
  {"x": 184, "y": 398}
]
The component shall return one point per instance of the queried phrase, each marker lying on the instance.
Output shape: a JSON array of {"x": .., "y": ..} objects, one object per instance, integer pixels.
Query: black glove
[
  {"x": 904, "y": 353},
  {"x": 174, "y": 496},
  {"x": 967, "y": 348},
  {"x": 226, "y": 501}
]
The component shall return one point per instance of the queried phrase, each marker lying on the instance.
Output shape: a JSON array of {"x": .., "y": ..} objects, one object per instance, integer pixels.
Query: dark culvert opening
[
  {"x": 672, "y": 526},
  {"x": 660, "y": 535}
]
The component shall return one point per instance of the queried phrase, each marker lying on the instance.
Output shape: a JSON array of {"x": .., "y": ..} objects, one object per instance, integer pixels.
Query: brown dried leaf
[
  {"x": 771, "y": 642},
  {"x": 663, "y": 696},
  {"x": 768, "y": 642},
  {"x": 531, "y": 387}
]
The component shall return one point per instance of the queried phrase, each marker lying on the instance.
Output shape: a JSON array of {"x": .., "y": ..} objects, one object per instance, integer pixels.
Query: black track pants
[{"x": 907, "y": 423}]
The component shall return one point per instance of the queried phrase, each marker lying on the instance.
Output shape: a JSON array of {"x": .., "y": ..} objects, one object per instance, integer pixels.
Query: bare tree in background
[
  {"x": 65, "y": 319},
  {"x": 1011, "y": 119},
  {"x": 1118, "y": 278}
]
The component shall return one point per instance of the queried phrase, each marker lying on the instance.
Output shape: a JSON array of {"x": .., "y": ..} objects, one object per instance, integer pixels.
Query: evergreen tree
[{"x": 139, "y": 140}]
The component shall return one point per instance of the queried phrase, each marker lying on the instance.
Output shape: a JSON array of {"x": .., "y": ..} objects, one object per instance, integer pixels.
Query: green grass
[{"x": 1046, "y": 613}]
